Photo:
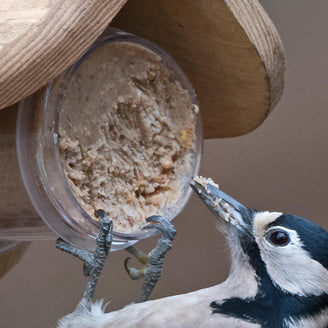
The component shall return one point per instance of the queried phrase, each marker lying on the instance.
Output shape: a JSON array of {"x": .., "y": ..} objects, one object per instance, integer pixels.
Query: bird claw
[
  {"x": 153, "y": 261},
  {"x": 162, "y": 225},
  {"x": 93, "y": 261}
]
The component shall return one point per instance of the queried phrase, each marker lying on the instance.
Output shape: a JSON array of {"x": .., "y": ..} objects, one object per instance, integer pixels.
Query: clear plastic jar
[
  {"x": 18, "y": 218},
  {"x": 47, "y": 194}
]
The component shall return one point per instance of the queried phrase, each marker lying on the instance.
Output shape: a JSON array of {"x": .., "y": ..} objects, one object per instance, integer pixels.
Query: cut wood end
[{"x": 62, "y": 33}]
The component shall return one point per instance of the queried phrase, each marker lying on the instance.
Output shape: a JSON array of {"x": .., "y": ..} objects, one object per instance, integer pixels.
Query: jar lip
[{"x": 111, "y": 35}]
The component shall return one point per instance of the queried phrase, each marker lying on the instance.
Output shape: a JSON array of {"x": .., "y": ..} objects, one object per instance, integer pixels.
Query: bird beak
[{"x": 224, "y": 206}]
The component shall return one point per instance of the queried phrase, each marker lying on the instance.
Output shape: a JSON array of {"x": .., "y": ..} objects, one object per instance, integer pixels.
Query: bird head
[{"x": 286, "y": 255}]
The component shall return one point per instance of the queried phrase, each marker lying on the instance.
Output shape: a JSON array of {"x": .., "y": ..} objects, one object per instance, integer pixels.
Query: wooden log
[
  {"x": 230, "y": 50},
  {"x": 39, "y": 39}
]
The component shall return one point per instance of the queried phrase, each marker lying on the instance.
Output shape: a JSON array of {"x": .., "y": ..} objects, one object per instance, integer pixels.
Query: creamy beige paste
[{"x": 126, "y": 135}]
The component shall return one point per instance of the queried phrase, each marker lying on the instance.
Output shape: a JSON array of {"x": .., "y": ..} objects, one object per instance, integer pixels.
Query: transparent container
[{"x": 39, "y": 197}]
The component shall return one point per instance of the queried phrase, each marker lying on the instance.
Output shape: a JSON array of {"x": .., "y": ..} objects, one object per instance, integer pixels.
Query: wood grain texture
[
  {"x": 230, "y": 50},
  {"x": 9, "y": 260},
  {"x": 40, "y": 38}
]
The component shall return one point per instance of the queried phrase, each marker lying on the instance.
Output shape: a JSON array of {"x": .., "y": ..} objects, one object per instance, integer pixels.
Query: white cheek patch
[{"x": 291, "y": 267}]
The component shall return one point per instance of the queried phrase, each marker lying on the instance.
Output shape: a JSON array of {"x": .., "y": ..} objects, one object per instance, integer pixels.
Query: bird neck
[{"x": 253, "y": 296}]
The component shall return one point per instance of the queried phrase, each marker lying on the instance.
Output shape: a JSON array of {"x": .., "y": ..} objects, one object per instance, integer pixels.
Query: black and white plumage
[{"x": 278, "y": 278}]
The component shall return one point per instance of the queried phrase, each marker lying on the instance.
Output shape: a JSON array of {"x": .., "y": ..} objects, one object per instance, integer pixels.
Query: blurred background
[{"x": 283, "y": 165}]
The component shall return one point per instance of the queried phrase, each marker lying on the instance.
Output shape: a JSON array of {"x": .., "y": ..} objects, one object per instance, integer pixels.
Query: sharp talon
[
  {"x": 126, "y": 261},
  {"x": 133, "y": 273},
  {"x": 138, "y": 254},
  {"x": 162, "y": 225},
  {"x": 100, "y": 214}
]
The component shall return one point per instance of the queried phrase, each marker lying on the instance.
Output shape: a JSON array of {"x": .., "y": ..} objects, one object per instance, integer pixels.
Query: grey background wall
[{"x": 283, "y": 165}]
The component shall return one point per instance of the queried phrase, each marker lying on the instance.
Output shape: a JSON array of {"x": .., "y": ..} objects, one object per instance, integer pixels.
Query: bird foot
[
  {"x": 93, "y": 261},
  {"x": 153, "y": 261}
]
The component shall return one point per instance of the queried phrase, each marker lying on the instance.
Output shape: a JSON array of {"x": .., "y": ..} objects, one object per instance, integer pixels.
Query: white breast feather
[{"x": 183, "y": 311}]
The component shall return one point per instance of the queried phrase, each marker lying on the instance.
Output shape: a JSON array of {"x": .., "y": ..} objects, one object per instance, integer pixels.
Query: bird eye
[{"x": 279, "y": 238}]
